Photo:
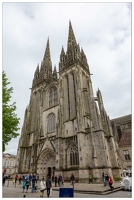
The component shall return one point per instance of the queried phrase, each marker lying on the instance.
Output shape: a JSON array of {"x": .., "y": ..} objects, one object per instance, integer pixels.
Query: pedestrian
[
  {"x": 30, "y": 179},
  {"x": 13, "y": 181},
  {"x": 90, "y": 178},
  {"x": 103, "y": 176},
  {"x": 27, "y": 185},
  {"x": 106, "y": 179},
  {"x": 20, "y": 180},
  {"x": 26, "y": 178},
  {"x": 23, "y": 178},
  {"x": 110, "y": 183},
  {"x": 56, "y": 179},
  {"x": 3, "y": 181},
  {"x": 16, "y": 177},
  {"x": 42, "y": 187},
  {"x": 72, "y": 178},
  {"x": 62, "y": 180},
  {"x": 34, "y": 181},
  {"x": 48, "y": 185},
  {"x": 24, "y": 185}
]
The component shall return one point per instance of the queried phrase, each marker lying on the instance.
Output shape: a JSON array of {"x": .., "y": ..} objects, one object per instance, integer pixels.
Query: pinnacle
[
  {"x": 71, "y": 36},
  {"x": 47, "y": 52}
]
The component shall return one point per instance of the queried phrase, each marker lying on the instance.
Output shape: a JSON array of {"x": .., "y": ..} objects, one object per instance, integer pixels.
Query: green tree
[{"x": 9, "y": 118}]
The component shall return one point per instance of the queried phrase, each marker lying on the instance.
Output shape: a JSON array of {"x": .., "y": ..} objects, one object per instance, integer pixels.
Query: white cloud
[{"x": 103, "y": 30}]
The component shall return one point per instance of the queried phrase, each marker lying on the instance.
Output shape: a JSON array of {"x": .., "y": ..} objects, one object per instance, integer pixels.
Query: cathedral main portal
[{"x": 46, "y": 164}]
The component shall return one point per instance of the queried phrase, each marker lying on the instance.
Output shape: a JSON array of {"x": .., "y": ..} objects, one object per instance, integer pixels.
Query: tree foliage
[{"x": 9, "y": 118}]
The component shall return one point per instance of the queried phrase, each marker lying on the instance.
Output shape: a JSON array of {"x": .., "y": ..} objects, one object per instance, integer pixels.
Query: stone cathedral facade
[{"x": 66, "y": 128}]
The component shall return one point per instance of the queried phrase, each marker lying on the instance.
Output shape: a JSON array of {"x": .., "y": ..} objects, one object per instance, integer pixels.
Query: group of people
[
  {"x": 48, "y": 184},
  {"x": 58, "y": 180},
  {"x": 107, "y": 180},
  {"x": 31, "y": 180}
]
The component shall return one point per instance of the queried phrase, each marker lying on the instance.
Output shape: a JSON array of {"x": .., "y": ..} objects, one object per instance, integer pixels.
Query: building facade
[
  {"x": 66, "y": 128},
  {"x": 8, "y": 164},
  {"x": 122, "y": 128}
]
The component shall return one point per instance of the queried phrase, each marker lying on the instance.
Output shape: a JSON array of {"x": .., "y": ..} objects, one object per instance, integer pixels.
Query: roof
[{"x": 126, "y": 139}]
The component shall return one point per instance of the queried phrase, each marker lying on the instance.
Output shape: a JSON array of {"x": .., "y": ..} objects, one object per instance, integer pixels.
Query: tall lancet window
[
  {"x": 74, "y": 156},
  {"x": 53, "y": 96},
  {"x": 51, "y": 123}
]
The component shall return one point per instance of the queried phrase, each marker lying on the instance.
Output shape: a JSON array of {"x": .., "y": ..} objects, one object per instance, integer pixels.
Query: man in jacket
[
  {"x": 48, "y": 185},
  {"x": 34, "y": 181}
]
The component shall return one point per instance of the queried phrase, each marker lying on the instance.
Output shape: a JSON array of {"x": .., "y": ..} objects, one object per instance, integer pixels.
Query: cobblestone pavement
[{"x": 16, "y": 192}]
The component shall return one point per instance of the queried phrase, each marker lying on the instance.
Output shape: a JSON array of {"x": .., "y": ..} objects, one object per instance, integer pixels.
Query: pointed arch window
[
  {"x": 53, "y": 96},
  {"x": 74, "y": 156},
  {"x": 51, "y": 123}
]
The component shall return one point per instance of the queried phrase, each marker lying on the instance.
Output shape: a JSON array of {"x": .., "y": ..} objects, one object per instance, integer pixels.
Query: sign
[{"x": 66, "y": 192}]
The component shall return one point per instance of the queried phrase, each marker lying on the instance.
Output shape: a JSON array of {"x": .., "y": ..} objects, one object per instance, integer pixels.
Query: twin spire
[
  {"x": 73, "y": 55},
  {"x": 71, "y": 43}
]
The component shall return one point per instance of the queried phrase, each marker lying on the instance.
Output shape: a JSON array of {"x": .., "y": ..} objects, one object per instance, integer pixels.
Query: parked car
[{"x": 126, "y": 183}]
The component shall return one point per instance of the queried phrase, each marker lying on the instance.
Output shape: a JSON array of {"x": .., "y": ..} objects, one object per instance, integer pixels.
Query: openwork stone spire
[
  {"x": 46, "y": 63},
  {"x": 45, "y": 71},
  {"x": 71, "y": 37},
  {"x": 47, "y": 52},
  {"x": 73, "y": 54}
]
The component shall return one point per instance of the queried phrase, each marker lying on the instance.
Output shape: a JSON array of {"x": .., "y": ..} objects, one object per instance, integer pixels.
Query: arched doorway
[{"x": 46, "y": 164}]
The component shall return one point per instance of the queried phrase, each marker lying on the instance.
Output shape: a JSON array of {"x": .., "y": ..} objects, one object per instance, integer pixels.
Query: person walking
[
  {"x": 106, "y": 179},
  {"x": 42, "y": 187},
  {"x": 24, "y": 185},
  {"x": 110, "y": 183},
  {"x": 27, "y": 185},
  {"x": 60, "y": 180},
  {"x": 30, "y": 179},
  {"x": 72, "y": 178},
  {"x": 4, "y": 180},
  {"x": 16, "y": 178},
  {"x": 56, "y": 179},
  {"x": 48, "y": 186},
  {"x": 34, "y": 181},
  {"x": 103, "y": 176},
  {"x": 20, "y": 179}
]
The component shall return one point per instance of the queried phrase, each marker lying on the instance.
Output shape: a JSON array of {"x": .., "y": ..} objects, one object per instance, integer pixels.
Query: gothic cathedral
[{"x": 66, "y": 128}]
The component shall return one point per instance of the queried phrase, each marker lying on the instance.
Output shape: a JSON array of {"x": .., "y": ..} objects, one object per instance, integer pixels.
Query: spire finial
[
  {"x": 71, "y": 36},
  {"x": 46, "y": 63},
  {"x": 47, "y": 51}
]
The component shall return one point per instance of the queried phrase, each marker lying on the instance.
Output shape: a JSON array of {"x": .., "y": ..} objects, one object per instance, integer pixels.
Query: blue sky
[{"x": 103, "y": 30}]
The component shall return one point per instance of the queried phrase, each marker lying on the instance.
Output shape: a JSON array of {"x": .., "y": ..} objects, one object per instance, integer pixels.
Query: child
[{"x": 24, "y": 185}]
